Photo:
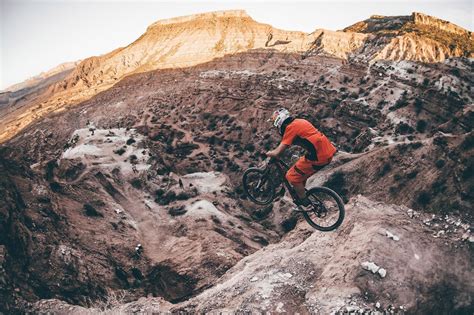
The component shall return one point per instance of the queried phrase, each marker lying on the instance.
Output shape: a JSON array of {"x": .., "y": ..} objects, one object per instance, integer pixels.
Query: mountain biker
[{"x": 302, "y": 133}]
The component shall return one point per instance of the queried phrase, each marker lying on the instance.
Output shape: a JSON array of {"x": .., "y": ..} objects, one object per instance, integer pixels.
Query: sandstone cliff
[
  {"x": 187, "y": 41},
  {"x": 418, "y": 37}
]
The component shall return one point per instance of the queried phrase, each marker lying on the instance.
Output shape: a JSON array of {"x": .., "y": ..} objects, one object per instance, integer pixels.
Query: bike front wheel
[
  {"x": 326, "y": 211},
  {"x": 258, "y": 186}
]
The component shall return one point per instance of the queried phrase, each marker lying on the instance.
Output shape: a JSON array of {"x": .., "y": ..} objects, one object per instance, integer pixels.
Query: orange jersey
[{"x": 302, "y": 133}]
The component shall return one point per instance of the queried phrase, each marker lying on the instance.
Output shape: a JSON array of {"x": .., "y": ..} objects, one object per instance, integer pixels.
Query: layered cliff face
[
  {"x": 187, "y": 41},
  {"x": 418, "y": 37}
]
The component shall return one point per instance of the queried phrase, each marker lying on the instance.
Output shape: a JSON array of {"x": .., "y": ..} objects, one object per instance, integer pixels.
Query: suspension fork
[{"x": 262, "y": 181}]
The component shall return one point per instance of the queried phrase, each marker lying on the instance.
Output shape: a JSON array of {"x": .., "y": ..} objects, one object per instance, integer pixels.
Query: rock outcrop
[{"x": 418, "y": 37}]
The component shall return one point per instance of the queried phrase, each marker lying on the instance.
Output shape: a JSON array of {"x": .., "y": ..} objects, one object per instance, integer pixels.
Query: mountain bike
[{"x": 263, "y": 185}]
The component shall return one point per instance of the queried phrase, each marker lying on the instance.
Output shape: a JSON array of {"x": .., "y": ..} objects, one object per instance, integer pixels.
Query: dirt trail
[{"x": 147, "y": 218}]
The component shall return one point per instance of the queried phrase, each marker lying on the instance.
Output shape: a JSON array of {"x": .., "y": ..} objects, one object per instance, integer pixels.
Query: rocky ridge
[
  {"x": 173, "y": 43},
  {"x": 418, "y": 37}
]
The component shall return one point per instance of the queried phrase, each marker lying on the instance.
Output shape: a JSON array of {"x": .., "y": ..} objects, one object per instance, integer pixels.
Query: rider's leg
[
  {"x": 300, "y": 191},
  {"x": 298, "y": 174}
]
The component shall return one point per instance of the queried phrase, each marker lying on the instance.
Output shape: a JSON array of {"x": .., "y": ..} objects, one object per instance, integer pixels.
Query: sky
[{"x": 37, "y": 35}]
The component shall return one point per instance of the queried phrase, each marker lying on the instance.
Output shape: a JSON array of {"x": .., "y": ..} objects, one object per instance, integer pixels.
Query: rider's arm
[{"x": 278, "y": 151}]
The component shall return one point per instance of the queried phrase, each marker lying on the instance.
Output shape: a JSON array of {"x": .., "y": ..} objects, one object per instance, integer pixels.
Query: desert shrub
[
  {"x": 43, "y": 199},
  {"x": 421, "y": 126},
  {"x": 212, "y": 126},
  {"x": 416, "y": 145},
  {"x": 440, "y": 141},
  {"x": 423, "y": 198},
  {"x": 404, "y": 128},
  {"x": 206, "y": 116},
  {"x": 334, "y": 104},
  {"x": 456, "y": 72},
  {"x": 418, "y": 104},
  {"x": 438, "y": 186},
  {"x": 184, "y": 149},
  {"x": 120, "y": 151},
  {"x": 440, "y": 163},
  {"x": 136, "y": 183},
  {"x": 166, "y": 198},
  {"x": 218, "y": 161},
  {"x": 468, "y": 171},
  {"x": 412, "y": 174},
  {"x": 91, "y": 211},
  {"x": 401, "y": 102},
  {"x": 133, "y": 159},
  {"x": 56, "y": 187},
  {"x": 183, "y": 196},
  {"x": 397, "y": 177},
  {"x": 402, "y": 148},
  {"x": 249, "y": 147},
  {"x": 393, "y": 190},
  {"x": 130, "y": 141},
  {"x": 426, "y": 82},
  {"x": 177, "y": 211},
  {"x": 381, "y": 104},
  {"x": 211, "y": 139},
  {"x": 468, "y": 142},
  {"x": 50, "y": 166},
  {"x": 233, "y": 166},
  {"x": 159, "y": 192},
  {"x": 387, "y": 167}
]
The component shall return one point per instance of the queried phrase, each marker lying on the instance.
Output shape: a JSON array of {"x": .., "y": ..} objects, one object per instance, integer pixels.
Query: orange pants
[{"x": 303, "y": 169}]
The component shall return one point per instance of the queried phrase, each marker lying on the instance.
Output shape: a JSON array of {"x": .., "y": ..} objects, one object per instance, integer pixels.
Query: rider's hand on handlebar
[{"x": 271, "y": 154}]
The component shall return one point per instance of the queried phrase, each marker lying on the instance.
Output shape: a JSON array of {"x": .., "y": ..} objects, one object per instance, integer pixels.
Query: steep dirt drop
[{"x": 315, "y": 272}]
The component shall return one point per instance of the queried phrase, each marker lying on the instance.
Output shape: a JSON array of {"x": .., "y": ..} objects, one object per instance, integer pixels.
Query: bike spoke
[{"x": 324, "y": 211}]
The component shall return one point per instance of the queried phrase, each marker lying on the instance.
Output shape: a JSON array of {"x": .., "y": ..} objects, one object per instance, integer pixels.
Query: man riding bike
[{"x": 302, "y": 133}]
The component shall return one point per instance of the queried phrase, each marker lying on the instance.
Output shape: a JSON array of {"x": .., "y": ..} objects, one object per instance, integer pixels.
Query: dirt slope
[{"x": 314, "y": 272}]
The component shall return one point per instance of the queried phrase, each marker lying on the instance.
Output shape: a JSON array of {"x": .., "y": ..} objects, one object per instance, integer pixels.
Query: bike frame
[{"x": 282, "y": 168}]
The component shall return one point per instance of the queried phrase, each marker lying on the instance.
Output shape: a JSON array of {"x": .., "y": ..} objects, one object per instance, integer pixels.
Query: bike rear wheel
[
  {"x": 326, "y": 211},
  {"x": 258, "y": 186}
]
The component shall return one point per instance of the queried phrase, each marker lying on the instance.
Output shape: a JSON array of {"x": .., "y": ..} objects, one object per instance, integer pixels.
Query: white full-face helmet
[{"x": 279, "y": 117}]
